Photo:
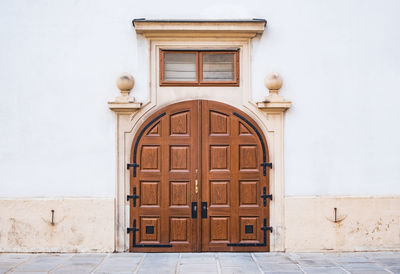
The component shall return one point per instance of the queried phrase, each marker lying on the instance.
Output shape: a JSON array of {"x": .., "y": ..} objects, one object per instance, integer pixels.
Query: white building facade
[{"x": 331, "y": 130}]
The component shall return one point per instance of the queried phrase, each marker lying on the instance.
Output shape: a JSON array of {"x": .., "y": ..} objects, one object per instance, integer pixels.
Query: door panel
[
  {"x": 168, "y": 156},
  {"x": 196, "y": 181},
  {"x": 232, "y": 180}
]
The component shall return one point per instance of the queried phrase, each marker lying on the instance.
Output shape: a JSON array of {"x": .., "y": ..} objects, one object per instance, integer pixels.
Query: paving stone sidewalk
[{"x": 326, "y": 263}]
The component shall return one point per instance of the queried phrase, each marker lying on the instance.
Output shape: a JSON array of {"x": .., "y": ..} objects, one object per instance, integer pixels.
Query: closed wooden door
[{"x": 199, "y": 181}]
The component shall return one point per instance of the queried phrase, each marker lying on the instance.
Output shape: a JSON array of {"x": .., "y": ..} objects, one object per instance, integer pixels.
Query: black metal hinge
[
  {"x": 134, "y": 165},
  {"x": 131, "y": 229},
  {"x": 265, "y": 228},
  {"x": 134, "y": 229},
  {"x": 265, "y": 165},
  {"x": 134, "y": 196},
  {"x": 266, "y": 196}
]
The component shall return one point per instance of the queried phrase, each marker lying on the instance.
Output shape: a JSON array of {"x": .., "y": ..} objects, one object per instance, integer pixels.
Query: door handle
[
  {"x": 204, "y": 210},
  {"x": 194, "y": 210}
]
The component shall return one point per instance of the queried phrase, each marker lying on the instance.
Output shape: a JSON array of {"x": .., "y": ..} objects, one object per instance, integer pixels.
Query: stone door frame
[{"x": 268, "y": 114}]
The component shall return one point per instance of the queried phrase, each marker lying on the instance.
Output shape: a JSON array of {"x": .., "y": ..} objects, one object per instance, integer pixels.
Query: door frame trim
[{"x": 270, "y": 122}]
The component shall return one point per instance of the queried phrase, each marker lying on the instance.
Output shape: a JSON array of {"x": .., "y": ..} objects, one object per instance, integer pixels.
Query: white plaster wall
[{"x": 59, "y": 60}]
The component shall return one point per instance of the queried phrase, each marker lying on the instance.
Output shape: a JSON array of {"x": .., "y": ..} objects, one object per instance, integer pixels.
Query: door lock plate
[{"x": 204, "y": 210}]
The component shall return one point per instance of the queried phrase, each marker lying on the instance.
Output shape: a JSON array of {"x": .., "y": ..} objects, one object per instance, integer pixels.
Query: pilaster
[{"x": 273, "y": 108}]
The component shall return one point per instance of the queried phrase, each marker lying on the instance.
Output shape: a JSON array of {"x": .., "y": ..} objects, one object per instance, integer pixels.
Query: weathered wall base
[
  {"x": 87, "y": 224},
  {"x": 79, "y": 225},
  {"x": 362, "y": 223}
]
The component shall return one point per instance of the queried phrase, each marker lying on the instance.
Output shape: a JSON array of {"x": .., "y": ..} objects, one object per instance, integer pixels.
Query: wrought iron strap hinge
[
  {"x": 265, "y": 196},
  {"x": 266, "y": 228},
  {"x": 265, "y": 165},
  {"x": 134, "y": 196},
  {"x": 131, "y": 229},
  {"x": 134, "y": 165},
  {"x": 149, "y": 230}
]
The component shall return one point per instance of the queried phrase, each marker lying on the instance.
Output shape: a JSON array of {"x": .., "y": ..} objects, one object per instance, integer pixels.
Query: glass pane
[
  {"x": 218, "y": 67},
  {"x": 180, "y": 67}
]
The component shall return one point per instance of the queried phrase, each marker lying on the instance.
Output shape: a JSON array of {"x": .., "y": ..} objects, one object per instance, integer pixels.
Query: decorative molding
[
  {"x": 274, "y": 103},
  {"x": 124, "y": 103},
  {"x": 124, "y": 107},
  {"x": 274, "y": 107},
  {"x": 199, "y": 28}
]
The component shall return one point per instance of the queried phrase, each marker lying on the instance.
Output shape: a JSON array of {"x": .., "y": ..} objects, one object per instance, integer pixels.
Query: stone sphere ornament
[
  {"x": 125, "y": 82},
  {"x": 273, "y": 81}
]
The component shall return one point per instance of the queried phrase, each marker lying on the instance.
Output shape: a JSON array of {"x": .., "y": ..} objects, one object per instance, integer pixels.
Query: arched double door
[{"x": 199, "y": 181}]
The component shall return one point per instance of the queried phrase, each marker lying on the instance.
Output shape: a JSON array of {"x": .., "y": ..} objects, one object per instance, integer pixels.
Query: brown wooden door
[{"x": 197, "y": 181}]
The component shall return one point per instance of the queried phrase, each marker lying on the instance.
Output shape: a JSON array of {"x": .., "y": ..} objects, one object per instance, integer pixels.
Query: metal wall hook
[
  {"x": 337, "y": 218},
  {"x": 52, "y": 217}
]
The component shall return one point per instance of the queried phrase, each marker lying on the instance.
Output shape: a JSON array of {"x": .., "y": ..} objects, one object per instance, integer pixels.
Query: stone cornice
[
  {"x": 199, "y": 28},
  {"x": 274, "y": 106},
  {"x": 124, "y": 107}
]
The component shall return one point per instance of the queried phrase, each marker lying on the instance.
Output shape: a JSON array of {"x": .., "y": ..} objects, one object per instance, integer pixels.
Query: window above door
[{"x": 199, "y": 67}]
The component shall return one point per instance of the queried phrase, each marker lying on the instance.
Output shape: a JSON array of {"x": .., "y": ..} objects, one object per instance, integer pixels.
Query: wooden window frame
[{"x": 199, "y": 69}]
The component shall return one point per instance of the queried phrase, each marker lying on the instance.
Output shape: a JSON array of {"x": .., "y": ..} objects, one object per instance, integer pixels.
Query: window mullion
[{"x": 199, "y": 67}]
